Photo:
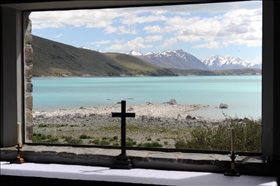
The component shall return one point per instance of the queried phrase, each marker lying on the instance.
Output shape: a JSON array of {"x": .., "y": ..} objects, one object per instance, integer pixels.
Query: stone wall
[{"x": 28, "y": 66}]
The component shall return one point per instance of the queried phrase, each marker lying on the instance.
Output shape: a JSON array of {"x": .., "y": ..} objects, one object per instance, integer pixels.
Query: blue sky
[{"x": 203, "y": 30}]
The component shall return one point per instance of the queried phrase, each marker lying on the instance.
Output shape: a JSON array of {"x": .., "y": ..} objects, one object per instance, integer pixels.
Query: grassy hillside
[
  {"x": 56, "y": 59},
  {"x": 243, "y": 71},
  {"x": 137, "y": 66}
]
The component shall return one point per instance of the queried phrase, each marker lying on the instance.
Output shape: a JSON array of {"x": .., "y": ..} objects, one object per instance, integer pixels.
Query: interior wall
[{"x": 11, "y": 55}]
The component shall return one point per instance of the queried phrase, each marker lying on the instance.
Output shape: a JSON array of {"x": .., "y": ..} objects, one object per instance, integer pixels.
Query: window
[
  {"x": 268, "y": 117},
  {"x": 84, "y": 104}
]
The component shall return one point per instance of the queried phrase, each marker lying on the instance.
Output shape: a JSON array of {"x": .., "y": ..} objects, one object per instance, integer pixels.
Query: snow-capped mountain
[
  {"x": 134, "y": 53},
  {"x": 218, "y": 62},
  {"x": 180, "y": 59},
  {"x": 177, "y": 59}
]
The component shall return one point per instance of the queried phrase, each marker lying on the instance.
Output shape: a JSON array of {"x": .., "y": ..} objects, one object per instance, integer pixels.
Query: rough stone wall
[{"x": 28, "y": 66}]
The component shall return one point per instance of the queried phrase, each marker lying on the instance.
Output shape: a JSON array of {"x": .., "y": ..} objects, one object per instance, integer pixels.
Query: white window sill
[
  {"x": 135, "y": 175},
  {"x": 179, "y": 161}
]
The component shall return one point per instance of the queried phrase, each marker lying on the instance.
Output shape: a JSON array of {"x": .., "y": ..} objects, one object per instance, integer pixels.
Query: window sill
[
  {"x": 219, "y": 163},
  {"x": 59, "y": 173}
]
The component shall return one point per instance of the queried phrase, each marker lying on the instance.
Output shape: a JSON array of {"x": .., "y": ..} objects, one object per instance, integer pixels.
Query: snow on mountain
[
  {"x": 149, "y": 53},
  {"x": 219, "y": 62},
  {"x": 134, "y": 53},
  {"x": 180, "y": 59},
  {"x": 177, "y": 59}
]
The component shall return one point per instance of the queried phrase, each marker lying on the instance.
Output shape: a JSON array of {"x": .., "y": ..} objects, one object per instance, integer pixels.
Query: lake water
[{"x": 241, "y": 93}]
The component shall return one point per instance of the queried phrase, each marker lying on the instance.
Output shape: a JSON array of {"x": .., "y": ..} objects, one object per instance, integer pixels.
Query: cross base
[
  {"x": 19, "y": 160},
  {"x": 121, "y": 162},
  {"x": 232, "y": 172}
]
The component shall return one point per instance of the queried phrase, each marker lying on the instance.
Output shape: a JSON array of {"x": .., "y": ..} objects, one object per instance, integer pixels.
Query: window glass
[{"x": 190, "y": 73}]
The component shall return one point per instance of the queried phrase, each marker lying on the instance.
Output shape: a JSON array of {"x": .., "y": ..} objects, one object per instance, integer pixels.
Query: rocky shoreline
[{"x": 166, "y": 114}]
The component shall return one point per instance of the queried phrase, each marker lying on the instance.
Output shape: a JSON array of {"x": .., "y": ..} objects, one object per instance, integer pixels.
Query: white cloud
[
  {"x": 232, "y": 26},
  {"x": 153, "y": 38},
  {"x": 153, "y": 29},
  {"x": 103, "y": 42},
  {"x": 58, "y": 36},
  {"x": 133, "y": 19},
  {"x": 212, "y": 7},
  {"x": 237, "y": 27},
  {"x": 120, "y": 30},
  {"x": 116, "y": 47},
  {"x": 110, "y": 29},
  {"x": 124, "y": 30},
  {"x": 209, "y": 45},
  {"x": 43, "y": 25},
  {"x": 78, "y": 18},
  {"x": 137, "y": 43},
  {"x": 179, "y": 39}
]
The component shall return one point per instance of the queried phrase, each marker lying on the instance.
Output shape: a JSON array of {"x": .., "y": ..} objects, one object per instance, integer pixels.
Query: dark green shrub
[
  {"x": 96, "y": 141},
  {"x": 180, "y": 143},
  {"x": 104, "y": 143},
  {"x": 42, "y": 125},
  {"x": 150, "y": 144},
  {"x": 83, "y": 136},
  {"x": 36, "y": 139},
  {"x": 67, "y": 138},
  {"x": 52, "y": 140},
  {"x": 104, "y": 138},
  {"x": 129, "y": 139},
  {"x": 247, "y": 136},
  {"x": 75, "y": 141}
]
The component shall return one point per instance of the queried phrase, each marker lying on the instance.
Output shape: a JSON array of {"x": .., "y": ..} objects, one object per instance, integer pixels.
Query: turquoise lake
[{"x": 241, "y": 93}]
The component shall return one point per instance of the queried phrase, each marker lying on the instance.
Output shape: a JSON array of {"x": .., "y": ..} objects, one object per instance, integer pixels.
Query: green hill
[{"x": 56, "y": 59}]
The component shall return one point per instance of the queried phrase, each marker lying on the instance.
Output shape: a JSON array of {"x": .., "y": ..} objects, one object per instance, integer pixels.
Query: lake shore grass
[{"x": 164, "y": 126}]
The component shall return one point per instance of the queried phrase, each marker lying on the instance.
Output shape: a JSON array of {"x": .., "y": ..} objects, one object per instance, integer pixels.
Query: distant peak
[
  {"x": 149, "y": 53},
  {"x": 226, "y": 62},
  {"x": 135, "y": 53}
]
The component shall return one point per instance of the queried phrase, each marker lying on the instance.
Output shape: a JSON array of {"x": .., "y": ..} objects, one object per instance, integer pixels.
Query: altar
[{"x": 129, "y": 176}]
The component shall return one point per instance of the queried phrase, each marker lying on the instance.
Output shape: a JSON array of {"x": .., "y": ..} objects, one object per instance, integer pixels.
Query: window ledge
[
  {"x": 58, "y": 174},
  {"x": 140, "y": 159}
]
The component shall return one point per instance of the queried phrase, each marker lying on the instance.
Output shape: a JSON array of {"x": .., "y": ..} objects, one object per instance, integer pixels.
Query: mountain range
[
  {"x": 179, "y": 59},
  {"x": 52, "y": 58},
  {"x": 218, "y": 62}
]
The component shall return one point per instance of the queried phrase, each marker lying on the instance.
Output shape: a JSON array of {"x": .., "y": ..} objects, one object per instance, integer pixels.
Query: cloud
[
  {"x": 236, "y": 27},
  {"x": 58, "y": 36},
  {"x": 153, "y": 29},
  {"x": 211, "y": 8},
  {"x": 153, "y": 38},
  {"x": 120, "y": 30},
  {"x": 179, "y": 39},
  {"x": 109, "y": 29},
  {"x": 227, "y": 24},
  {"x": 134, "y": 19},
  {"x": 209, "y": 45},
  {"x": 123, "y": 30},
  {"x": 103, "y": 42},
  {"x": 77, "y": 18},
  {"x": 137, "y": 43}
]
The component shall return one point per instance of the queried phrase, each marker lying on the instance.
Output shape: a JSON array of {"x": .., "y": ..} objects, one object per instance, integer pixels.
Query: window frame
[{"x": 12, "y": 86}]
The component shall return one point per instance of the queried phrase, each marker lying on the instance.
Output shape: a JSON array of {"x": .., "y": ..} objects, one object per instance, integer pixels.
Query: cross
[{"x": 122, "y": 161}]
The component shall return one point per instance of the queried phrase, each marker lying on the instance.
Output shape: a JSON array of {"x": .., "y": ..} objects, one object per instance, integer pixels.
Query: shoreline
[
  {"x": 169, "y": 113},
  {"x": 160, "y": 123}
]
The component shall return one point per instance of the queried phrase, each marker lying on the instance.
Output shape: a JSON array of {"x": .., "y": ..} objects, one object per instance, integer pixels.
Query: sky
[{"x": 203, "y": 30}]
